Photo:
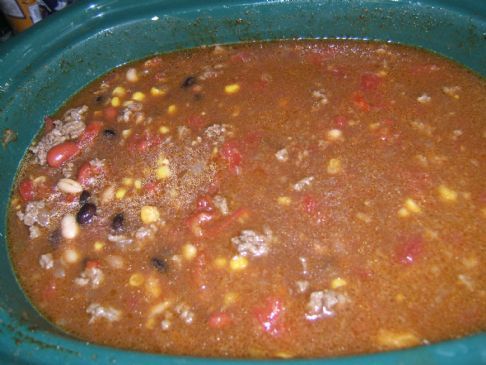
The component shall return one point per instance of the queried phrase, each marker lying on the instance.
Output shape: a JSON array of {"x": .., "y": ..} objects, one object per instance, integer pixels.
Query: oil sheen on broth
[{"x": 287, "y": 199}]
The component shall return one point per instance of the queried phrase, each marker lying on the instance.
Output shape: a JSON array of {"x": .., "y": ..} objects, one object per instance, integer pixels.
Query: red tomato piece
[
  {"x": 219, "y": 320},
  {"x": 230, "y": 152},
  {"x": 110, "y": 113},
  {"x": 409, "y": 249},
  {"x": 360, "y": 102},
  {"x": 205, "y": 204},
  {"x": 224, "y": 224},
  {"x": 90, "y": 133},
  {"x": 269, "y": 316},
  {"x": 340, "y": 121},
  {"x": 309, "y": 204},
  {"x": 196, "y": 221},
  {"x": 87, "y": 173},
  {"x": 370, "y": 82},
  {"x": 62, "y": 153},
  {"x": 92, "y": 264},
  {"x": 26, "y": 190},
  {"x": 196, "y": 122}
]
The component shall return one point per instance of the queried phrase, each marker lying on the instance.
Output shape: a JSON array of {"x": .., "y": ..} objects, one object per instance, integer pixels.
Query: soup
[{"x": 265, "y": 200}]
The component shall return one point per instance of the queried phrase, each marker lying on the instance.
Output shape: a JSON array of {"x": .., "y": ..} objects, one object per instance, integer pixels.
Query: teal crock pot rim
[{"x": 21, "y": 63}]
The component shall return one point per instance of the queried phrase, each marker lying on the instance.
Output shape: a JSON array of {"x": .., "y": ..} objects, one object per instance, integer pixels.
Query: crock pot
[{"x": 43, "y": 67}]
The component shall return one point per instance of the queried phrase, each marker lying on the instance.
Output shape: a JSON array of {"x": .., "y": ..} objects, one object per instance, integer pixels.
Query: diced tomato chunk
[
  {"x": 142, "y": 142},
  {"x": 196, "y": 221},
  {"x": 239, "y": 215},
  {"x": 219, "y": 320},
  {"x": 360, "y": 102},
  {"x": 409, "y": 249},
  {"x": 339, "y": 121},
  {"x": 92, "y": 264},
  {"x": 309, "y": 204},
  {"x": 196, "y": 122},
  {"x": 26, "y": 190},
  {"x": 270, "y": 316},
  {"x": 110, "y": 113},
  {"x": 370, "y": 82},
  {"x": 62, "y": 153},
  {"x": 205, "y": 204},
  {"x": 230, "y": 152},
  {"x": 87, "y": 173},
  {"x": 90, "y": 133}
]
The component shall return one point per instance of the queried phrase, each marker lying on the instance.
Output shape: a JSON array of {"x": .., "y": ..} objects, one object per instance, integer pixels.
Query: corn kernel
[
  {"x": 284, "y": 200},
  {"x": 334, "y": 166},
  {"x": 238, "y": 263},
  {"x": 403, "y": 213},
  {"x": 126, "y": 133},
  {"x": 137, "y": 184},
  {"x": 149, "y": 214},
  {"x": 132, "y": 75},
  {"x": 338, "y": 282},
  {"x": 392, "y": 339},
  {"x": 159, "y": 308},
  {"x": 138, "y": 96},
  {"x": 412, "y": 206},
  {"x": 152, "y": 287},
  {"x": 119, "y": 91},
  {"x": 334, "y": 135},
  {"x": 232, "y": 88},
  {"x": 71, "y": 256},
  {"x": 446, "y": 194},
  {"x": 399, "y": 298},
  {"x": 172, "y": 109},
  {"x": 115, "y": 101},
  {"x": 136, "y": 279},
  {"x": 155, "y": 91},
  {"x": 189, "y": 251},
  {"x": 163, "y": 172},
  {"x": 120, "y": 193},
  {"x": 150, "y": 323},
  {"x": 220, "y": 262},
  {"x": 230, "y": 298},
  {"x": 284, "y": 355},
  {"x": 98, "y": 245},
  {"x": 127, "y": 181},
  {"x": 164, "y": 130}
]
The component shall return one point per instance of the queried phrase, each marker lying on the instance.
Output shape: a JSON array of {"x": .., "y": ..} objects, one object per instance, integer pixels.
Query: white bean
[
  {"x": 69, "y": 226},
  {"x": 132, "y": 75},
  {"x": 69, "y": 186}
]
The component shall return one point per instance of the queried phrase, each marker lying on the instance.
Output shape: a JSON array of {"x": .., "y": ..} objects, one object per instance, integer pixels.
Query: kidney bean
[{"x": 62, "y": 153}]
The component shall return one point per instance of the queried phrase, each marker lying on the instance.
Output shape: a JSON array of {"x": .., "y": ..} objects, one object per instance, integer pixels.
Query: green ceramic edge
[{"x": 57, "y": 57}]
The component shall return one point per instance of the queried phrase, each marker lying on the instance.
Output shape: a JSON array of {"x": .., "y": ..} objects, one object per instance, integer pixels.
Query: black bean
[
  {"x": 55, "y": 238},
  {"x": 109, "y": 133},
  {"x": 100, "y": 99},
  {"x": 117, "y": 222},
  {"x": 159, "y": 264},
  {"x": 84, "y": 197},
  {"x": 86, "y": 213},
  {"x": 188, "y": 81}
]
